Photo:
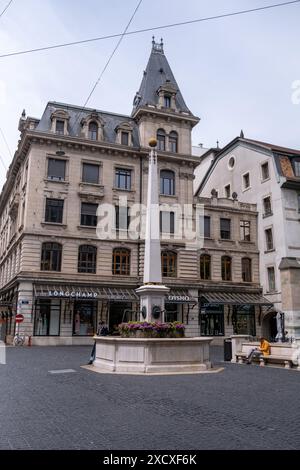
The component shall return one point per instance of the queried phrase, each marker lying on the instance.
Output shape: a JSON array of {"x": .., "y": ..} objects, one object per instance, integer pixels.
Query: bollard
[{"x": 29, "y": 341}]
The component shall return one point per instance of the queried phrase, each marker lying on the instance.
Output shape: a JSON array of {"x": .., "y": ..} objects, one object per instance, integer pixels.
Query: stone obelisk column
[{"x": 152, "y": 293}]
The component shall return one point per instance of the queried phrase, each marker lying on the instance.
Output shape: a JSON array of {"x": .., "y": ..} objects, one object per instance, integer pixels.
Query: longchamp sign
[{"x": 72, "y": 294}]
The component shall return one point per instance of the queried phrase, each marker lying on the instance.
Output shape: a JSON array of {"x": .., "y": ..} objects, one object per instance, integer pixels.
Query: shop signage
[
  {"x": 179, "y": 298},
  {"x": 73, "y": 294}
]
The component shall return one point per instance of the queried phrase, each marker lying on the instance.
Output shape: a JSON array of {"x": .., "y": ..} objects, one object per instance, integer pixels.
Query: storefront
[
  {"x": 227, "y": 313},
  {"x": 7, "y": 314}
]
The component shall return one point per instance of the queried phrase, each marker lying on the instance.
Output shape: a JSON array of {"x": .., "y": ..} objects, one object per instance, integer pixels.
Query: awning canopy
[
  {"x": 233, "y": 298},
  {"x": 180, "y": 296},
  {"x": 115, "y": 294}
]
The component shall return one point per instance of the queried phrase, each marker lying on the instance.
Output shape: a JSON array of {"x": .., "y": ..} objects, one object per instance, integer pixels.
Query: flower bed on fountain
[{"x": 152, "y": 330}]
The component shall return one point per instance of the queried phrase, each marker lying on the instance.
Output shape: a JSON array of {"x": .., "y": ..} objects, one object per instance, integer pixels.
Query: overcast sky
[{"x": 233, "y": 73}]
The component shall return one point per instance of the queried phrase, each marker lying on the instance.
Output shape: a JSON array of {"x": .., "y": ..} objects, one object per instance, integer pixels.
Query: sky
[{"x": 234, "y": 73}]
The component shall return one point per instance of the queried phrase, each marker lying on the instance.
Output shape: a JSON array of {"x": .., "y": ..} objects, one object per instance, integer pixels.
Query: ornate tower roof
[{"x": 158, "y": 79}]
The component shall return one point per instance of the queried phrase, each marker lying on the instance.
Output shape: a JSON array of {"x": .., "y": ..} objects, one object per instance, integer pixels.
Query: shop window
[
  {"x": 167, "y": 182},
  {"x": 169, "y": 264},
  {"x": 161, "y": 139},
  {"x": 226, "y": 268},
  {"x": 93, "y": 130},
  {"x": 171, "y": 312},
  {"x": 90, "y": 173},
  {"x": 87, "y": 258},
  {"x": 56, "y": 169},
  {"x": 246, "y": 270},
  {"x": 47, "y": 317},
  {"x": 84, "y": 319},
  {"x": 51, "y": 257},
  {"x": 173, "y": 142},
  {"x": 123, "y": 178},
  {"x": 205, "y": 267},
  {"x": 121, "y": 262},
  {"x": 54, "y": 210},
  {"x": 243, "y": 320},
  {"x": 245, "y": 230},
  {"x": 225, "y": 232},
  {"x": 212, "y": 320},
  {"x": 88, "y": 214}
]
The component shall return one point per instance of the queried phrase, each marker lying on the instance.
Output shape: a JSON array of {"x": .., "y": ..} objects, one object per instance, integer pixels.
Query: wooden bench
[{"x": 279, "y": 353}]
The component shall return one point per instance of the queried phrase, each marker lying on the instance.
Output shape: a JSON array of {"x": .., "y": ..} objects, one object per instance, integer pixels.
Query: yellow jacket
[{"x": 265, "y": 347}]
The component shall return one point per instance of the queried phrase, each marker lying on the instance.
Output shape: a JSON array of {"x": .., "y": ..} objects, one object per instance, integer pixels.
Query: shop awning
[
  {"x": 115, "y": 294},
  {"x": 180, "y": 296},
  {"x": 233, "y": 298}
]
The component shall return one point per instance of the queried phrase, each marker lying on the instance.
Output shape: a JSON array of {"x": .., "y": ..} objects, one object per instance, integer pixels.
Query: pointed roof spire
[
  {"x": 242, "y": 134},
  {"x": 158, "y": 74}
]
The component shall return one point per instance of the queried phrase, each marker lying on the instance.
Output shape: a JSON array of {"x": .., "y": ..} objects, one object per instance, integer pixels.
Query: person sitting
[{"x": 262, "y": 350}]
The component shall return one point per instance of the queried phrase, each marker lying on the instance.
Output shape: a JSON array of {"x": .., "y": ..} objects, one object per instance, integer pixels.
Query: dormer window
[
  {"x": 59, "y": 127},
  {"x": 167, "y": 101},
  {"x": 124, "y": 138},
  {"x": 93, "y": 130}
]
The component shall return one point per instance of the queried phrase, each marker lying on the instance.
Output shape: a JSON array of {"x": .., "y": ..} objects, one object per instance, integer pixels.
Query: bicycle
[{"x": 19, "y": 340}]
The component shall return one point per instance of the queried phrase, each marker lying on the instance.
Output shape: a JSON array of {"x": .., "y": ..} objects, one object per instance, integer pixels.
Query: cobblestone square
[{"x": 242, "y": 407}]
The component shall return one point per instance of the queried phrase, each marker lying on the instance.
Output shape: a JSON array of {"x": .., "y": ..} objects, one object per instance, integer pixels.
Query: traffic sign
[{"x": 19, "y": 318}]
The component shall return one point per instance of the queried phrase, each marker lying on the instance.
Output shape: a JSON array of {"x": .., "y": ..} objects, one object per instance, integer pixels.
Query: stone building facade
[{"x": 54, "y": 268}]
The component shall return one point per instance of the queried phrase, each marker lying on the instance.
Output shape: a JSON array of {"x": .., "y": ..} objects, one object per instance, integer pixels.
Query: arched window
[
  {"x": 205, "y": 267},
  {"x": 173, "y": 141},
  {"x": 93, "y": 130},
  {"x": 246, "y": 270},
  {"x": 226, "y": 268},
  {"x": 87, "y": 257},
  {"x": 167, "y": 182},
  {"x": 51, "y": 257},
  {"x": 161, "y": 139},
  {"x": 169, "y": 264},
  {"x": 121, "y": 261}
]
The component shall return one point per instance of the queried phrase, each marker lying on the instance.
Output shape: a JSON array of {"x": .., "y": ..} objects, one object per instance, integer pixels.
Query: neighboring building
[
  {"x": 56, "y": 271},
  {"x": 269, "y": 176}
]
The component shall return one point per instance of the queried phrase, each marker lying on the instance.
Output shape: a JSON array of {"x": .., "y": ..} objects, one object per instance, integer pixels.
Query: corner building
[{"x": 54, "y": 269}]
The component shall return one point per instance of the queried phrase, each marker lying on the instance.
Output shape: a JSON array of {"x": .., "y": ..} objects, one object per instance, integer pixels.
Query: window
[
  {"x": 93, "y": 130},
  {"x": 204, "y": 267},
  {"x": 51, "y": 257},
  {"x": 124, "y": 138},
  {"x": 298, "y": 199},
  {"x": 227, "y": 191},
  {"x": 173, "y": 142},
  {"x": 225, "y": 229},
  {"x": 90, "y": 173},
  {"x": 265, "y": 171},
  {"x": 206, "y": 226},
  {"x": 243, "y": 320},
  {"x": 246, "y": 181},
  {"x": 47, "y": 317},
  {"x": 167, "y": 182},
  {"x": 246, "y": 270},
  {"x": 123, "y": 178},
  {"x": 88, "y": 214},
  {"x": 271, "y": 279},
  {"x": 168, "y": 264},
  {"x": 297, "y": 167},
  {"x": 226, "y": 268},
  {"x": 167, "y": 101},
  {"x": 161, "y": 139},
  {"x": 87, "y": 257},
  {"x": 121, "y": 261},
  {"x": 231, "y": 163},
  {"x": 245, "y": 230},
  {"x": 267, "y": 207},
  {"x": 212, "y": 320},
  {"x": 269, "y": 239},
  {"x": 59, "y": 127},
  {"x": 84, "y": 319},
  {"x": 54, "y": 210},
  {"x": 122, "y": 217},
  {"x": 56, "y": 169},
  {"x": 167, "y": 222}
]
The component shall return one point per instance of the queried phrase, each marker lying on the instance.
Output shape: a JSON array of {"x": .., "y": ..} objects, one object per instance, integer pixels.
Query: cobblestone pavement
[{"x": 243, "y": 407}]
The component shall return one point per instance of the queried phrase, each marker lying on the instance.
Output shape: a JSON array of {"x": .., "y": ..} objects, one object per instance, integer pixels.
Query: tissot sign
[{"x": 73, "y": 294}]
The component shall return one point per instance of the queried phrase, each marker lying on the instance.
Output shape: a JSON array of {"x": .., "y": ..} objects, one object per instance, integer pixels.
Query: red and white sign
[{"x": 19, "y": 318}]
